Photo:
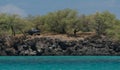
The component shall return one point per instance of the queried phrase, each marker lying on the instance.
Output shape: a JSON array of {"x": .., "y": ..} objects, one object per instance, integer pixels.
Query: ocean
[{"x": 59, "y": 62}]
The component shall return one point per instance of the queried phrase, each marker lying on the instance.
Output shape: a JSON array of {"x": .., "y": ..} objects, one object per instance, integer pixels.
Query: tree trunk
[
  {"x": 13, "y": 31},
  {"x": 75, "y": 31}
]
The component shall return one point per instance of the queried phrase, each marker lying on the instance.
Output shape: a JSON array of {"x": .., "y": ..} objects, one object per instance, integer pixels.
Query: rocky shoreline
[{"x": 43, "y": 46}]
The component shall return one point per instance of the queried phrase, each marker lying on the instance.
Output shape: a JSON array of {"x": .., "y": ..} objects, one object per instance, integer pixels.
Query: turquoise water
[{"x": 59, "y": 62}]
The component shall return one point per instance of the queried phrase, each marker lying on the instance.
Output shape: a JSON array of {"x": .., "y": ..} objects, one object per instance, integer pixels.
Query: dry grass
[{"x": 80, "y": 36}]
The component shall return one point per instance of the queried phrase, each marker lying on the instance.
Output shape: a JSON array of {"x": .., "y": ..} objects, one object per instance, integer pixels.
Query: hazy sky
[{"x": 41, "y": 7}]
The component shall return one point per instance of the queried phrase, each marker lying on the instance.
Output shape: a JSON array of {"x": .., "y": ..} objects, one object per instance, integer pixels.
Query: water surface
[{"x": 59, "y": 62}]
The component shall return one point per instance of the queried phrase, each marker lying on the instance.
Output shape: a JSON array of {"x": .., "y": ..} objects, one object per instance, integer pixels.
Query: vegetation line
[{"x": 65, "y": 21}]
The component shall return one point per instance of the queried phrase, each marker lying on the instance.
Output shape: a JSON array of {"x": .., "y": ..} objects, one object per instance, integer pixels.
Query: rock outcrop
[{"x": 41, "y": 46}]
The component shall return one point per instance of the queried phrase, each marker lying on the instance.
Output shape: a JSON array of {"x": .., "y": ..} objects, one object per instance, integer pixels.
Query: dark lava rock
[
  {"x": 63, "y": 45},
  {"x": 10, "y": 51},
  {"x": 51, "y": 46}
]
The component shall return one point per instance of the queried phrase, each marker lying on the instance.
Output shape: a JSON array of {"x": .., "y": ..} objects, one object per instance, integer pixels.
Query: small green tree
[
  {"x": 103, "y": 21},
  {"x": 86, "y": 22},
  {"x": 13, "y": 24},
  {"x": 114, "y": 32},
  {"x": 61, "y": 21}
]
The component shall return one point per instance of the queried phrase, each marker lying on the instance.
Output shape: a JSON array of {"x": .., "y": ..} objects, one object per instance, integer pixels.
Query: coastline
[{"x": 48, "y": 46}]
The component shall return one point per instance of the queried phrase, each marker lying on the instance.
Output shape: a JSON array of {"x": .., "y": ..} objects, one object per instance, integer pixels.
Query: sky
[{"x": 42, "y": 7}]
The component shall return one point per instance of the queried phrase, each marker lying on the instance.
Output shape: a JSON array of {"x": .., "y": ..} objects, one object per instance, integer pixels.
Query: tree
[
  {"x": 62, "y": 21},
  {"x": 86, "y": 22},
  {"x": 103, "y": 21},
  {"x": 114, "y": 32},
  {"x": 13, "y": 24}
]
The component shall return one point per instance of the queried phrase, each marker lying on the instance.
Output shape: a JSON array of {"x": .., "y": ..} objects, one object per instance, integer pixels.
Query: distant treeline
[{"x": 65, "y": 21}]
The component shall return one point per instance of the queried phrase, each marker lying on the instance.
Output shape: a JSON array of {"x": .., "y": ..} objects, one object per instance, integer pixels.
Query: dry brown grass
[{"x": 80, "y": 36}]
